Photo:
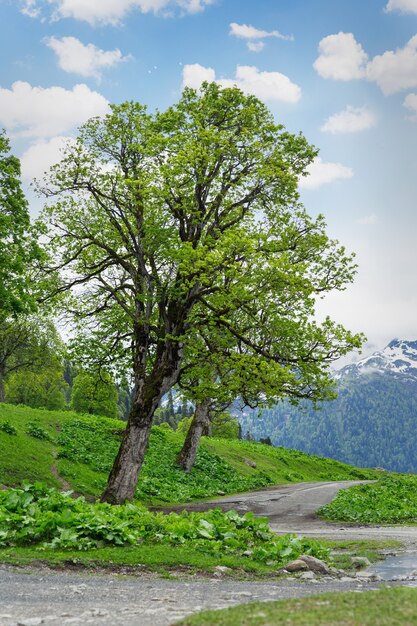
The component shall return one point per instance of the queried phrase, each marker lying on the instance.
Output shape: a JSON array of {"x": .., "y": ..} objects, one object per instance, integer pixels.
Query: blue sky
[{"x": 344, "y": 73}]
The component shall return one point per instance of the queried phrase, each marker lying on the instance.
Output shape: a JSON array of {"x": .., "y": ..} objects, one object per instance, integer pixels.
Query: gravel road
[{"x": 32, "y": 597}]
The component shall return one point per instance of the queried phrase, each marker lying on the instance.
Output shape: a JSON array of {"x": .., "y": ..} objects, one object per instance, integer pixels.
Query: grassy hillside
[{"x": 71, "y": 451}]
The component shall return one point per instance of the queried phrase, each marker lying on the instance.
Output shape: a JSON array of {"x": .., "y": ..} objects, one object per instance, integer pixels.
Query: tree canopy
[
  {"x": 166, "y": 224},
  {"x": 18, "y": 246}
]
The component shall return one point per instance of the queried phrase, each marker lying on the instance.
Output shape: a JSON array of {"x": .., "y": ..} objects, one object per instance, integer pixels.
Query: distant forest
[{"x": 373, "y": 423}]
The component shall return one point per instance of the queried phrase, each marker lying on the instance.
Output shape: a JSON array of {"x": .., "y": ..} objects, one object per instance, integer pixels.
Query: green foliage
[
  {"x": 31, "y": 371},
  {"x": 18, "y": 247},
  {"x": 225, "y": 426},
  {"x": 372, "y": 423},
  {"x": 8, "y": 428},
  {"x": 95, "y": 394},
  {"x": 184, "y": 425},
  {"x": 95, "y": 444},
  {"x": 23, "y": 457},
  {"x": 44, "y": 388},
  {"x": 34, "y": 429},
  {"x": 391, "y": 500},
  {"x": 36, "y": 514}
]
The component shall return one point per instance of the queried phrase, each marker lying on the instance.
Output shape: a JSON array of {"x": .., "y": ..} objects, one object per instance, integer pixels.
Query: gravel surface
[{"x": 33, "y": 597}]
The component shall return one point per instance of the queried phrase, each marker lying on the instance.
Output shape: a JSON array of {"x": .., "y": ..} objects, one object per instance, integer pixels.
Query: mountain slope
[
  {"x": 372, "y": 423},
  {"x": 73, "y": 451}
]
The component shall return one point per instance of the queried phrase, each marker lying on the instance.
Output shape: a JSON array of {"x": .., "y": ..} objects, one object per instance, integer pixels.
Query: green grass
[
  {"x": 392, "y": 500},
  {"x": 81, "y": 449},
  {"x": 186, "y": 559},
  {"x": 149, "y": 557},
  {"x": 385, "y": 607},
  {"x": 373, "y": 549}
]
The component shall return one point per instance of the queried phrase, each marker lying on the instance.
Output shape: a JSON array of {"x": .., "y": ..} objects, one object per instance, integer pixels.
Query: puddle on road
[{"x": 396, "y": 567}]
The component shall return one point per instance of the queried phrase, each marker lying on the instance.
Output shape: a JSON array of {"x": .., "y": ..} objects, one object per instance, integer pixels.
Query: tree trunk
[
  {"x": 123, "y": 478},
  {"x": 199, "y": 426},
  {"x": 2, "y": 391}
]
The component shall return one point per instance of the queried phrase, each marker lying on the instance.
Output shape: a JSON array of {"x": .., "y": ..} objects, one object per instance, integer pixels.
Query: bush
[
  {"x": 8, "y": 428},
  {"x": 393, "y": 499},
  {"x": 34, "y": 429},
  {"x": 36, "y": 514}
]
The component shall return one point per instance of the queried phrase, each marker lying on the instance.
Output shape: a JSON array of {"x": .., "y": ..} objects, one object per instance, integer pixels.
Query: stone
[
  {"x": 250, "y": 463},
  {"x": 220, "y": 570},
  {"x": 315, "y": 565},
  {"x": 244, "y": 594},
  {"x": 221, "y": 493},
  {"x": 308, "y": 575},
  {"x": 296, "y": 566},
  {"x": 367, "y": 576},
  {"x": 247, "y": 553},
  {"x": 360, "y": 561}
]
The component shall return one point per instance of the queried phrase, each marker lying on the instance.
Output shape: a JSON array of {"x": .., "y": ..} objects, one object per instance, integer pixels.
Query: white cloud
[
  {"x": 350, "y": 120},
  {"x": 97, "y": 12},
  {"x": 255, "y": 46},
  {"x": 38, "y": 158},
  {"x": 394, "y": 71},
  {"x": 246, "y": 31},
  {"x": 410, "y": 103},
  {"x": 341, "y": 57},
  {"x": 404, "y": 6},
  {"x": 368, "y": 220},
  {"x": 321, "y": 173},
  {"x": 86, "y": 60},
  {"x": 255, "y": 35},
  {"x": 45, "y": 112},
  {"x": 194, "y": 75},
  {"x": 30, "y": 8},
  {"x": 268, "y": 86}
]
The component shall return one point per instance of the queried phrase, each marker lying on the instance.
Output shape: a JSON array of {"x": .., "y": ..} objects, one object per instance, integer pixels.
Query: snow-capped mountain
[
  {"x": 372, "y": 422},
  {"x": 398, "y": 358}
]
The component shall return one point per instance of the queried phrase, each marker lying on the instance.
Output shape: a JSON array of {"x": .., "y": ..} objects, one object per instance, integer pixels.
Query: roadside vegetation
[
  {"x": 39, "y": 523},
  {"x": 40, "y": 516},
  {"x": 392, "y": 500},
  {"x": 385, "y": 607}
]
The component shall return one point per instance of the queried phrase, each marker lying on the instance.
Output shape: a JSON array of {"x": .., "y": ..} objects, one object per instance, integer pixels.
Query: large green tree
[
  {"x": 42, "y": 387},
  {"x": 18, "y": 247},
  {"x": 28, "y": 343},
  {"x": 162, "y": 222}
]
